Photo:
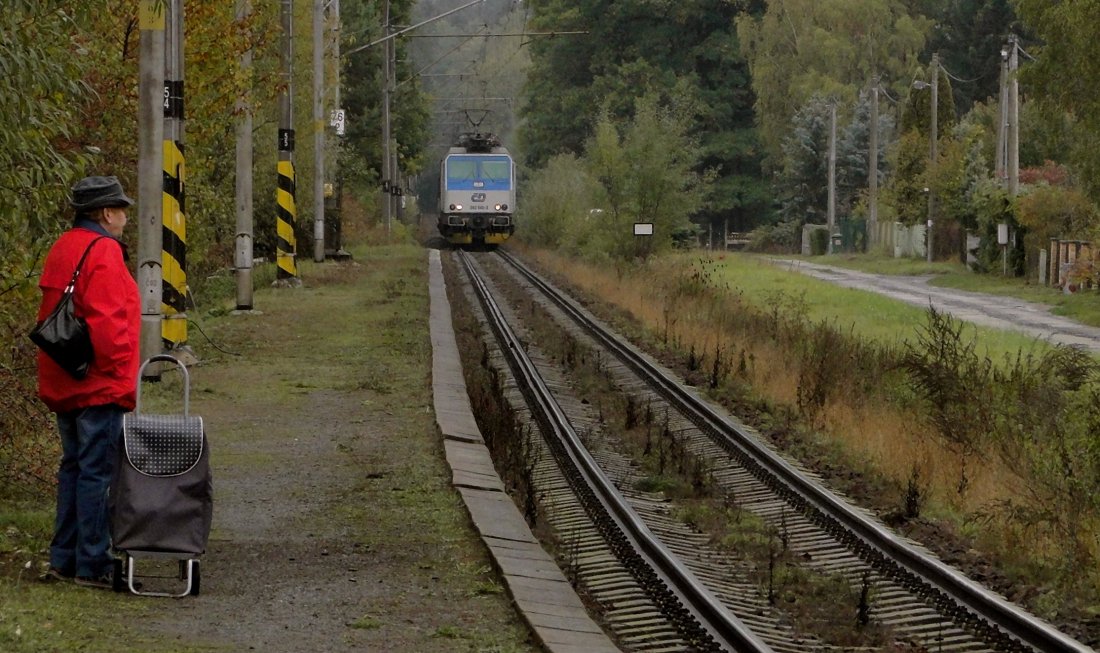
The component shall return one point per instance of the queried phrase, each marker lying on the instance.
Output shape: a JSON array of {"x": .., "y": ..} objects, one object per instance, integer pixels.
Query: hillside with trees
[
  {"x": 757, "y": 84},
  {"x": 70, "y": 85},
  {"x": 700, "y": 118}
]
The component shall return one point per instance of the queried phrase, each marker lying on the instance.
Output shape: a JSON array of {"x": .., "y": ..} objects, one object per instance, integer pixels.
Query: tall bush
[
  {"x": 646, "y": 174},
  {"x": 557, "y": 200}
]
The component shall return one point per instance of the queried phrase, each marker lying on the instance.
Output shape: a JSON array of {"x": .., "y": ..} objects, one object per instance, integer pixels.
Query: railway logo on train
[{"x": 477, "y": 192}]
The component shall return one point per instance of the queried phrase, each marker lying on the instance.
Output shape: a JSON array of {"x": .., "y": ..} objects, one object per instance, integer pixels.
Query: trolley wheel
[
  {"x": 118, "y": 581},
  {"x": 195, "y": 575},
  {"x": 195, "y": 578}
]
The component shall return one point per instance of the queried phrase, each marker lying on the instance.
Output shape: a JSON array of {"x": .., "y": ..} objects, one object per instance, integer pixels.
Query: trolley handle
[{"x": 186, "y": 380}]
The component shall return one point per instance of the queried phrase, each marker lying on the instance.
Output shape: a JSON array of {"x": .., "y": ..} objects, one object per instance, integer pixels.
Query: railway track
[{"x": 659, "y": 584}]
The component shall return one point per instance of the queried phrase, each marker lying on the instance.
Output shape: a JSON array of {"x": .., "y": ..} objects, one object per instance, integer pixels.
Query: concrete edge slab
[{"x": 541, "y": 593}]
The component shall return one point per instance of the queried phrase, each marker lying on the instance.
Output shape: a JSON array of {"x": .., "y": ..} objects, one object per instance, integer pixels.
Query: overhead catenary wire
[
  {"x": 444, "y": 55},
  {"x": 1021, "y": 50}
]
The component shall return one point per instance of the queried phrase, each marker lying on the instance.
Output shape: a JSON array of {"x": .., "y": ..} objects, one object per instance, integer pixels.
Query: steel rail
[
  {"x": 720, "y": 625},
  {"x": 872, "y": 542}
]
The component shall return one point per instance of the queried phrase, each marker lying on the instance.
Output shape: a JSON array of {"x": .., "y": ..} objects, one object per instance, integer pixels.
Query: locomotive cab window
[
  {"x": 467, "y": 172},
  {"x": 459, "y": 170}
]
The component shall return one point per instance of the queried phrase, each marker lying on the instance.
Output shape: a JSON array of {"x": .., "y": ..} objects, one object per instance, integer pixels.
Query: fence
[{"x": 1071, "y": 264}]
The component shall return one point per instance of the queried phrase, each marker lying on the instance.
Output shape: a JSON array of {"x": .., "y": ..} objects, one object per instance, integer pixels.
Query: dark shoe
[
  {"x": 104, "y": 582},
  {"x": 54, "y": 575}
]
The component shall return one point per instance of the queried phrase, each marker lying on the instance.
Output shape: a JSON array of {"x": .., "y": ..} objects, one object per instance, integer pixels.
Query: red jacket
[{"x": 107, "y": 298}]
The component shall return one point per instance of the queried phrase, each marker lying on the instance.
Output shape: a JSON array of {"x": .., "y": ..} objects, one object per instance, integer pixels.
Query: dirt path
[
  {"x": 995, "y": 311},
  {"x": 335, "y": 527}
]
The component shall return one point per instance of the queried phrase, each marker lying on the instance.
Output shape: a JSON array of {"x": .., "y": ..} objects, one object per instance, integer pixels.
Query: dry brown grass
[{"x": 890, "y": 440}]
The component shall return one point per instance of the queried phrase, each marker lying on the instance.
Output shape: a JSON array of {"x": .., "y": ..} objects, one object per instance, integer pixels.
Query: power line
[{"x": 456, "y": 36}]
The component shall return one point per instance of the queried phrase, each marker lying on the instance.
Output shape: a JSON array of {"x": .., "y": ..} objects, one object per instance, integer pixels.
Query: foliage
[
  {"x": 1056, "y": 211},
  {"x": 1067, "y": 61},
  {"x": 803, "y": 182},
  {"x": 685, "y": 54},
  {"x": 969, "y": 36},
  {"x": 981, "y": 409},
  {"x": 779, "y": 238},
  {"x": 647, "y": 175},
  {"x": 644, "y": 173},
  {"x": 559, "y": 205},
  {"x": 214, "y": 85},
  {"x": 40, "y": 151},
  {"x": 805, "y": 163},
  {"x": 959, "y": 167},
  {"x": 992, "y": 206},
  {"x": 362, "y": 95},
  {"x": 43, "y": 58},
  {"x": 917, "y": 110},
  {"x": 906, "y": 194},
  {"x": 801, "y": 48}
]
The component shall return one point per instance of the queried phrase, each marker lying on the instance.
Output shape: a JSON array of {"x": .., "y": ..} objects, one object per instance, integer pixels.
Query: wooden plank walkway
[{"x": 537, "y": 586}]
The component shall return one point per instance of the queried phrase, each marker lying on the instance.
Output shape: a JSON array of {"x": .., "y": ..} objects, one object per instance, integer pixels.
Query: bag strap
[{"x": 76, "y": 272}]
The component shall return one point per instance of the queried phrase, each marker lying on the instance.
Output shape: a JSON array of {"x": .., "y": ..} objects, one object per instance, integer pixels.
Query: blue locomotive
[{"x": 477, "y": 191}]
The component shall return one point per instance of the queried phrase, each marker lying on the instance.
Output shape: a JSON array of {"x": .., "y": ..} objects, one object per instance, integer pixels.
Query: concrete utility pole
[
  {"x": 398, "y": 190},
  {"x": 1001, "y": 159},
  {"x": 243, "y": 250},
  {"x": 150, "y": 178},
  {"x": 832, "y": 175},
  {"x": 872, "y": 165},
  {"x": 336, "y": 27},
  {"x": 935, "y": 80},
  {"x": 1014, "y": 116},
  {"x": 336, "y": 223},
  {"x": 389, "y": 147},
  {"x": 287, "y": 211},
  {"x": 387, "y": 179},
  {"x": 318, "y": 130},
  {"x": 176, "y": 296}
]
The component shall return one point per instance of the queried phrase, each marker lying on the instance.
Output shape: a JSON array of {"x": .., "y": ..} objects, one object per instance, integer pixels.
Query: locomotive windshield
[{"x": 470, "y": 172}]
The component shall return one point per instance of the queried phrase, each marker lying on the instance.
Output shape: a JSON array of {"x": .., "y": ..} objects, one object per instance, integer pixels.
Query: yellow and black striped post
[
  {"x": 175, "y": 296},
  {"x": 286, "y": 211},
  {"x": 286, "y": 214}
]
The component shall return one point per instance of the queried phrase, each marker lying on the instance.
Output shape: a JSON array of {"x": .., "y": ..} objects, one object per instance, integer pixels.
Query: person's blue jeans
[{"x": 90, "y": 438}]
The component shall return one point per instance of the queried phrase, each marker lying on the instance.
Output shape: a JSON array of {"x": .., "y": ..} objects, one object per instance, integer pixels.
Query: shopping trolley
[{"x": 162, "y": 496}]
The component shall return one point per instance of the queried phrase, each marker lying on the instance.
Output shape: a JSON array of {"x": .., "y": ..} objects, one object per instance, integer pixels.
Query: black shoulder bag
[{"x": 64, "y": 336}]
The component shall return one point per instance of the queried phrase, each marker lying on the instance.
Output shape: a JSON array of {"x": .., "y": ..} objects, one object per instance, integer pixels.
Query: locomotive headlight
[
  {"x": 498, "y": 207},
  {"x": 456, "y": 207}
]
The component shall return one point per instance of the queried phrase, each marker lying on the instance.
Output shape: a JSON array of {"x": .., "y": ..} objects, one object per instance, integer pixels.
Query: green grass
[
  {"x": 376, "y": 312},
  {"x": 868, "y": 314},
  {"x": 1082, "y": 306}
]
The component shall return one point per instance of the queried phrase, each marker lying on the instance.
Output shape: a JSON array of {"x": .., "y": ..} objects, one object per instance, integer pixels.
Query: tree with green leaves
[
  {"x": 1065, "y": 70},
  {"x": 914, "y": 177},
  {"x": 798, "y": 49},
  {"x": 639, "y": 172},
  {"x": 686, "y": 54},
  {"x": 646, "y": 173},
  {"x": 803, "y": 180},
  {"x": 41, "y": 149},
  {"x": 362, "y": 96},
  {"x": 969, "y": 36}
]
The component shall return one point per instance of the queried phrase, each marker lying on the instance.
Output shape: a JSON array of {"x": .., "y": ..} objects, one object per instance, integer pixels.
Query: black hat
[{"x": 97, "y": 192}]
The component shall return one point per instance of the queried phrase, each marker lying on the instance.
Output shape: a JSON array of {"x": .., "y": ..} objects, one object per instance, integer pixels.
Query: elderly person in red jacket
[{"x": 89, "y": 410}]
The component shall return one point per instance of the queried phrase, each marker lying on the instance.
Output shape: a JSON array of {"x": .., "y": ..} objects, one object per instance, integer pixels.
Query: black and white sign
[{"x": 337, "y": 120}]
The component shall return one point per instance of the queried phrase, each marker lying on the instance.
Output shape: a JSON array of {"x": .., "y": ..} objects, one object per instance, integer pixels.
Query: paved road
[{"x": 987, "y": 310}]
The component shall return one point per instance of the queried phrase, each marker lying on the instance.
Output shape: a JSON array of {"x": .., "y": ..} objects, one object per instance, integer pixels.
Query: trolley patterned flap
[{"x": 162, "y": 445}]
